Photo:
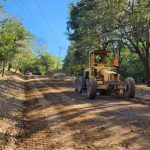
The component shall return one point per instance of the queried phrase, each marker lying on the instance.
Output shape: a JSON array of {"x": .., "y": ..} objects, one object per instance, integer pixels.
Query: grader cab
[{"x": 102, "y": 78}]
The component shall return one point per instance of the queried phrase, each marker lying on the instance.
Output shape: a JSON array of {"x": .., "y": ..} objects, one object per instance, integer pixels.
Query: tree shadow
[
  {"x": 11, "y": 111},
  {"x": 90, "y": 121},
  {"x": 96, "y": 120}
]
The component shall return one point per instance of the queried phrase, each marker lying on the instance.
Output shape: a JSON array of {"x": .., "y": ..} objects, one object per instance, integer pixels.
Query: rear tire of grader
[
  {"x": 80, "y": 84},
  {"x": 91, "y": 88},
  {"x": 76, "y": 84},
  {"x": 130, "y": 91}
]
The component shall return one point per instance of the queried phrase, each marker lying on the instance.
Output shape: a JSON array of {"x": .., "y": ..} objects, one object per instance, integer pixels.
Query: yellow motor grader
[{"x": 103, "y": 78}]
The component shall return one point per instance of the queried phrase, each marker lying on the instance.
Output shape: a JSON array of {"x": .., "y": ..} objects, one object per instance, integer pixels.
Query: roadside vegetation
[
  {"x": 122, "y": 27},
  {"x": 19, "y": 48}
]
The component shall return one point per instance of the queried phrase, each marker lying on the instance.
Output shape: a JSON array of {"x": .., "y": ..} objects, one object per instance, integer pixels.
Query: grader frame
[{"x": 99, "y": 76}]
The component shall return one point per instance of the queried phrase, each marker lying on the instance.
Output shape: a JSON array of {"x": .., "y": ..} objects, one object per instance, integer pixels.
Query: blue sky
[{"x": 46, "y": 19}]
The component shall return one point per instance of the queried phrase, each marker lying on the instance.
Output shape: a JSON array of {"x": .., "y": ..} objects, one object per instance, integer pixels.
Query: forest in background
[
  {"x": 119, "y": 26},
  {"x": 19, "y": 49}
]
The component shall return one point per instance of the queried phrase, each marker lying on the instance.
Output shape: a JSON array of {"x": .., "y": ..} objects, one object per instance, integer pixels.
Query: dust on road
[{"x": 57, "y": 118}]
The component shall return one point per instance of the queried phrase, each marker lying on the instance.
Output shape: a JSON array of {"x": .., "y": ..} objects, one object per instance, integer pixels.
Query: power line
[
  {"x": 41, "y": 12},
  {"x": 43, "y": 15},
  {"x": 32, "y": 18},
  {"x": 35, "y": 21}
]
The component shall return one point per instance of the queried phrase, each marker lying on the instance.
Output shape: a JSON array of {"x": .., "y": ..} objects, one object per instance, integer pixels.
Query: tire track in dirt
[
  {"x": 56, "y": 118},
  {"x": 130, "y": 119},
  {"x": 41, "y": 130}
]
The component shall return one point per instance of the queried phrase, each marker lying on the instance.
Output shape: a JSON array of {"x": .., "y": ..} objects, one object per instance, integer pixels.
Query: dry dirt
[
  {"x": 51, "y": 116},
  {"x": 11, "y": 111}
]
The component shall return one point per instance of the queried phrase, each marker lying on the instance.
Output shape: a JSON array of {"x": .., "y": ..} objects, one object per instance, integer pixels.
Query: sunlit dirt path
[{"x": 57, "y": 118}]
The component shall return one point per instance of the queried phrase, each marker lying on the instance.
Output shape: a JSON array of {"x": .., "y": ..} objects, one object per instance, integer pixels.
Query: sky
[{"x": 46, "y": 19}]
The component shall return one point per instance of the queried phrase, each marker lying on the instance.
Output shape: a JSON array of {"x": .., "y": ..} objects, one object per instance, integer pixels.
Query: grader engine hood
[{"x": 109, "y": 75}]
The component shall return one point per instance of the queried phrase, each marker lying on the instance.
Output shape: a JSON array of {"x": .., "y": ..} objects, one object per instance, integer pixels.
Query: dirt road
[
  {"x": 51, "y": 116},
  {"x": 56, "y": 118}
]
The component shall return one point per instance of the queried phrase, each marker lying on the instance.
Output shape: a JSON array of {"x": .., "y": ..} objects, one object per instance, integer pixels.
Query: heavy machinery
[{"x": 102, "y": 78}]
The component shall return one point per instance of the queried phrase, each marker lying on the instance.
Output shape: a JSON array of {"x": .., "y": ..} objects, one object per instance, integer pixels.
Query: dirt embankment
[{"x": 11, "y": 111}]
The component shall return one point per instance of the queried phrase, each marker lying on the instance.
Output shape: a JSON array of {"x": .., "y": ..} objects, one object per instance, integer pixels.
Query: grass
[{"x": 59, "y": 74}]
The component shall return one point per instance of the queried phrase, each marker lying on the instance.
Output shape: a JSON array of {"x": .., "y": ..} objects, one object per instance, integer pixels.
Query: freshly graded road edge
[{"x": 46, "y": 114}]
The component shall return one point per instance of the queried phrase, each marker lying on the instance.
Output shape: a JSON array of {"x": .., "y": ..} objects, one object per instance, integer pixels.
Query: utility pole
[{"x": 60, "y": 48}]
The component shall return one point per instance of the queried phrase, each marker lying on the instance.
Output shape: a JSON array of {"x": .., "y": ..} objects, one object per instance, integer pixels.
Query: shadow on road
[
  {"x": 52, "y": 114},
  {"x": 109, "y": 122}
]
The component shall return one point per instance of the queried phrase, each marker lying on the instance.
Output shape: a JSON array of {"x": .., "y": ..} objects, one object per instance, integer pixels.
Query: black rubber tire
[
  {"x": 91, "y": 88},
  {"x": 130, "y": 91},
  {"x": 84, "y": 82},
  {"x": 76, "y": 84},
  {"x": 80, "y": 84}
]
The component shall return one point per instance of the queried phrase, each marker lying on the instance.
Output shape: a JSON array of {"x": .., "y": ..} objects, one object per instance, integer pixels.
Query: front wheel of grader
[
  {"x": 91, "y": 88},
  {"x": 130, "y": 89}
]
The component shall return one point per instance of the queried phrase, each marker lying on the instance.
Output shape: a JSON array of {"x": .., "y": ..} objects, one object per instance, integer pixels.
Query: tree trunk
[
  {"x": 1, "y": 65},
  {"x": 47, "y": 67},
  {"x": 17, "y": 66},
  {"x": 3, "y": 69},
  {"x": 9, "y": 66},
  {"x": 148, "y": 81},
  {"x": 147, "y": 71},
  {"x": 145, "y": 61}
]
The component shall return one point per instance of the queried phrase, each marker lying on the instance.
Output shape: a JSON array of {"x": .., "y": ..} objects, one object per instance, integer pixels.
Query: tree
[
  {"x": 95, "y": 24},
  {"x": 12, "y": 39},
  {"x": 128, "y": 64},
  {"x": 47, "y": 60},
  {"x": 134, "y": 31},
  {"x": 74, "y": 62}
]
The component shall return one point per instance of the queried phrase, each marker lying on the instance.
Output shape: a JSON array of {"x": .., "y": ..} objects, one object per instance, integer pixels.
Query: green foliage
[
  {"x": 59, "y": 74},
  {"x": 12, "y": 38},
  {"x": 112, "y": 25},
  {"x": 47, "y": 60},
  {"x": 74, "y": 61},
  {"x": 27, "y": 61},
  {"x": 132, "y": 66},
  {"x": 32, "y": 62},
  {"x": 17, "y": 50}
]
